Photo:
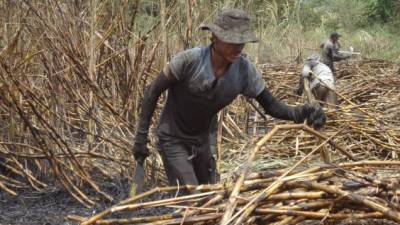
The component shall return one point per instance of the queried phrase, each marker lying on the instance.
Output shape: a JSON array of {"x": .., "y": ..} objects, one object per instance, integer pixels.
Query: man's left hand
[
  {"x": 316, "y": 118},
  {"x": 314, "y": 115}
]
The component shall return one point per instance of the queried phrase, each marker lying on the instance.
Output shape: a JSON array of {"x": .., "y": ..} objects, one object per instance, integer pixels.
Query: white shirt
[{"x": 323, "y": 73}]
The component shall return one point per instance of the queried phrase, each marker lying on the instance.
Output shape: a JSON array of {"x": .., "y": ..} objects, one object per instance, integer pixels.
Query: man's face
[
  {"x": 335, "y": 39},
  {"x": 229, "y": 51}
]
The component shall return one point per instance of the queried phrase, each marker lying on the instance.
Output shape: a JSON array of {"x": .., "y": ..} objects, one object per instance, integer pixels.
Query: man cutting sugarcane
[
  {"x": 200, "y": 82},
  {"x": 330, "y": 51},
  {"x": 321, "y": 80}
]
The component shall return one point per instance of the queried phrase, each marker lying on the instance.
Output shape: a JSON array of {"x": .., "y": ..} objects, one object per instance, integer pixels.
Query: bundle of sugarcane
[{"x": 329, "y": 193}]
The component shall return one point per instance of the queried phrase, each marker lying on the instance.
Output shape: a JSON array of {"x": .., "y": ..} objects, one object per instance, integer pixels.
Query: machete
[
  {"x": 350, "y": 52},
  {"x": 138, "y": 179}
]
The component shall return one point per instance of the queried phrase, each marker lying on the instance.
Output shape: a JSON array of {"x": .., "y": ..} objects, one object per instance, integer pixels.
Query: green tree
[{"x": 382, "y": 11}]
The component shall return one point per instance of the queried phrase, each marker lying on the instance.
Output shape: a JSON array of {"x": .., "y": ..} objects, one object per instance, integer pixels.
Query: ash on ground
[{"x": 51, "y": 207}]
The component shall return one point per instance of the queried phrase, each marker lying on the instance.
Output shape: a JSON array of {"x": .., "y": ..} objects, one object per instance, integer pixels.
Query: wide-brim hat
[{"x": 232, "y": 26}]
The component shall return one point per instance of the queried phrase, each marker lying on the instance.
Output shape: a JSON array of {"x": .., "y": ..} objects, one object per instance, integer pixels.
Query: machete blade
[{"x": 138, "y": 180}]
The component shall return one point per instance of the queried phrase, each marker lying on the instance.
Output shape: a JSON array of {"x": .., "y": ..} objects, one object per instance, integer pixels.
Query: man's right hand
[{"x": 140, "y": 151}]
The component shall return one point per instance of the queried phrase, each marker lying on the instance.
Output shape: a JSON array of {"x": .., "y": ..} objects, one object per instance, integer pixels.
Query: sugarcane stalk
[
  {"x": 371, "y": 163},
  {"x": 235, "y": 192},
  {"x": 190, "y": 220},
  {"x": 275, "y": 185},
  {"x": 6, "y": 189},
  {"x": 394, "y": 215},
  {"x": 320, "y": 215},
  {"x": 311, "y": 99}
]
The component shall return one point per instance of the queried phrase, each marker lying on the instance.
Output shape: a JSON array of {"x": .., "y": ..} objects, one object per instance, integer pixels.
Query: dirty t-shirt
[
  {"x": 330, "y": 53},
  {"x": 197, "y": 96},
  {"x": 323, "y": 73}
]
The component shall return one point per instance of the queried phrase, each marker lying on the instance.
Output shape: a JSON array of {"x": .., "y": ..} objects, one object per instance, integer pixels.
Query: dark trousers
[
  {"x": 324, "y": 94},
  {"x": 187, "y": 162}
]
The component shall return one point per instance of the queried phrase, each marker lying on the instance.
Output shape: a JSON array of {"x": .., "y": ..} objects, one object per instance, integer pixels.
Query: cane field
[{"x": 72, "y": 78}]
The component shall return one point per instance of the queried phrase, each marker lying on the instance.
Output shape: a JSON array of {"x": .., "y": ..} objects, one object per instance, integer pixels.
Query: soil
[{"x": 51, "y": 207}]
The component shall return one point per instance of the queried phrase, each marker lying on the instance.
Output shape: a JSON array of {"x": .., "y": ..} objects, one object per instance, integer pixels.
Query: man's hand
[
  {"x": 140, "y": 151},
  {"x": 315, "y": 115},
  {"x": 316, "y": 118}
]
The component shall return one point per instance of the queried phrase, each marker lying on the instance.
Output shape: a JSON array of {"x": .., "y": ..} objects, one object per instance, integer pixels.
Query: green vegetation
[{"x": 290, "y": 29}]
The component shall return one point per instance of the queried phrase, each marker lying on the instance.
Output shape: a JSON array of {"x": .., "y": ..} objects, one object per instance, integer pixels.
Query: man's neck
[{"x": 219, "y": 62}]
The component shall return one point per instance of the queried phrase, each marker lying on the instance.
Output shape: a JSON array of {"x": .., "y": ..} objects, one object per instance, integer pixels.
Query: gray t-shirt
[
  {"x": 330, "y": 53},
  {"x": 198, "y": 96}
]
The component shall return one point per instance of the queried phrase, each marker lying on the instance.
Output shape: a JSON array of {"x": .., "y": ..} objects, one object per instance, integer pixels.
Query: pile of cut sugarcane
[
  {"x": 363, "y": 130},
  {"x": 368, "y": 114},
  {"x": 329, "y": 193}
]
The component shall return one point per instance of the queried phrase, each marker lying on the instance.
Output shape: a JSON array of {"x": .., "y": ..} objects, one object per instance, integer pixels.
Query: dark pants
[
  {"x": 324, "y": 94},
  {"x": 187, "y": 162}
]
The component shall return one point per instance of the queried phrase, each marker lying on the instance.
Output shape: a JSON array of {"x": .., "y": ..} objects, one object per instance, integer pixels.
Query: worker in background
[
  {"x": 321, "y": 80},
  {"x": 330, "y": 51},
  {"x": 200, "y": 82}
]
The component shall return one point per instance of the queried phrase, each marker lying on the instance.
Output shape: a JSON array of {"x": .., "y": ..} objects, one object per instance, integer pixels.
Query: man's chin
[{"x": 234, "y": 58}]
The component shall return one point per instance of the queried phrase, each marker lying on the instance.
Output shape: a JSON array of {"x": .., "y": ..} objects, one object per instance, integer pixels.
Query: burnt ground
[
  {"x": 39, "y": 208},
  {"x": 52, "y": 207}
]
